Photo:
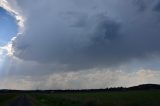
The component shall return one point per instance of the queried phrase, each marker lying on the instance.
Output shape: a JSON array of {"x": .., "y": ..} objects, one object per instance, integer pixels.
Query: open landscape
[
  {"x": 138, "y": 96},
  {"x": 79, "y": 52}
]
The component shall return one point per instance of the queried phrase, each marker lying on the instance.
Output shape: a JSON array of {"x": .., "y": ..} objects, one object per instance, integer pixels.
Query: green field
[
  {"x": 126, "y": 98},
  {"x": 129, "y": 98},
  {"x": 6, "y": 98}
]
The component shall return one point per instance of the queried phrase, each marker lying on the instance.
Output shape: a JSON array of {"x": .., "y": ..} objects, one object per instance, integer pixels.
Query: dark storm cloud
[
  {"x": 88, "y": 34},
  {"x": 141, "y": 5},
  {"x": 157, "y": 7},
  {"x": 147, "y": 4}
]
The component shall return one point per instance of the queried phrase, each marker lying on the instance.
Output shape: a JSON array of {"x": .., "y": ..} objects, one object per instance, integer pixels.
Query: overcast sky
[{"x": 72, "y": 44}]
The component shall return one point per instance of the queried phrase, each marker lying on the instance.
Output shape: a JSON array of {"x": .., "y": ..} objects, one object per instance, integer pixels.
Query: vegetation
[
  {"x": 126, "y": 98},
  {"x": 143, "y": 95},
  {"x": 6, "y": 98}
]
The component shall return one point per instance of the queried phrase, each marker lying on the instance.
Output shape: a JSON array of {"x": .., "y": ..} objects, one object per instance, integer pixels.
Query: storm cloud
[
  {"x": 71, "y": 44},
  {"x": 87, "y": 34}
]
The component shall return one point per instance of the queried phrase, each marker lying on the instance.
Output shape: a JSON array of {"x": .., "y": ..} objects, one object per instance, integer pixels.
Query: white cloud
[
  {"x": 83, "y": 80},
  {"x": 10, "y": 8}
]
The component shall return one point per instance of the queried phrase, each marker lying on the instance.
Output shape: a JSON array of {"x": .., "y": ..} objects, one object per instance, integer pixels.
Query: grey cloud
[
  {"x": 147, "y": 4},
  {"x": 142, "y": 5},
  {"x": 157, "y": 7},
  {"x": 87, "y": 35},
  {"x": 69, "y": 44}
]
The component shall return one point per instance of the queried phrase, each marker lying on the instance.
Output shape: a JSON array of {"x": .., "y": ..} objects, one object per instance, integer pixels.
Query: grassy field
[
  {"x": 6, "y": 98},
  {"x": 127, "y": 98}
]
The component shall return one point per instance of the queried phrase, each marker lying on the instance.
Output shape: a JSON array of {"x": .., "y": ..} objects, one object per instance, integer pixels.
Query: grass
[
  {"x": 6, "y": 98},
  {"x": 128, "y": 98},
  {"x": 125, "y": 98}
]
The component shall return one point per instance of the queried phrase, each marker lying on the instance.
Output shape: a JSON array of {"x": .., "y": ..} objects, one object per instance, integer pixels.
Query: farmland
[
  {"x": 117, "y": 98},
  {"x": 129, "y": 98},
  {"x": 6, "y": 98}
]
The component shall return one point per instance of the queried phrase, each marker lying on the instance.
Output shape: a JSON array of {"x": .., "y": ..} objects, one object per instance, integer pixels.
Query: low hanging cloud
[
  {"x": 88, "y": 33},
  {"x": 82, "y": 80}
]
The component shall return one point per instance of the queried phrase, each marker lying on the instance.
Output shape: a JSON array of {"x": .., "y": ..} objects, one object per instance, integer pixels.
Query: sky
[
  {"x": 79, "y": 44},
  {"x": 8, "y": 26}
]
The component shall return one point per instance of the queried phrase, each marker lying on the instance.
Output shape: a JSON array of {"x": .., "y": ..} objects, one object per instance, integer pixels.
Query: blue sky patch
[{"x": 8, "y": 26}]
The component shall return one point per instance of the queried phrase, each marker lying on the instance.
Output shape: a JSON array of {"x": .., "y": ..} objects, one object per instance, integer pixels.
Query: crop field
[{"x": 119, "y": 98}]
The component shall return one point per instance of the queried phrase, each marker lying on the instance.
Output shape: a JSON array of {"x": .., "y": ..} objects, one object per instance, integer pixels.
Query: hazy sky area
[{"x": 76, "y": 44}]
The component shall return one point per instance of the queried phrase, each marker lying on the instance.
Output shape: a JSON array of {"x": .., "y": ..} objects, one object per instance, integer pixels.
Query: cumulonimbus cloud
[{"x": 88, "y": 33}]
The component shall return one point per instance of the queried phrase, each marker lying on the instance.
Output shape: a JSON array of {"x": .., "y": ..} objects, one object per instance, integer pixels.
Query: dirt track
[{"x": 21, "y": 101}]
